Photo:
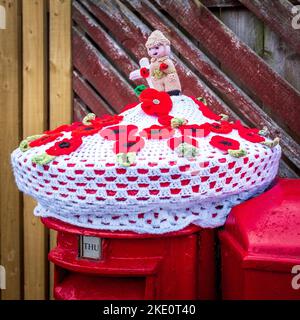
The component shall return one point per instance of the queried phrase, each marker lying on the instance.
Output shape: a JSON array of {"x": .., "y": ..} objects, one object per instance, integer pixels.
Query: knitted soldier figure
[{"x": 162, "y": 70}]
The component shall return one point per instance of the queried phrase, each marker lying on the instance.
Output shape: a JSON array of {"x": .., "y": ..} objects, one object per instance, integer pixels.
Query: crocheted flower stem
[
  {"x": 87, "y": 119},
  {"x": 237, "y": 153},
  {"x": 126, "y": 159},
  {"x": 271, "y": 144},
  {"x": 24, "y": 144},
  {"x": 186, "y": 150},
  {"x": 43, "y": 158}
]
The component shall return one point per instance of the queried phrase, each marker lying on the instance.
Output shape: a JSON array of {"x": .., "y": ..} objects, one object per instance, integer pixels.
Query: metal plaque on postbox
[{"x": 90, "y": 247}]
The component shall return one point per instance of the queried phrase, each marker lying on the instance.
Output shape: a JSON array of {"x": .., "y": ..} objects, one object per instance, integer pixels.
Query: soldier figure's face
[{"x": 157, "y": 51}]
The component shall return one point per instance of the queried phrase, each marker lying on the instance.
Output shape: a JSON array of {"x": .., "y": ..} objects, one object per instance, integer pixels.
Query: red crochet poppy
[
  {"x": 64, "y": 127},
  {"x": 205, "y": 110},
  {"x": 46, "y": 138},
  {"x": 195, "y": 130},
  {"x": 247, "y": 133},
  {"x": 165, "y": 120},
  {"x": 144, "y": 72},
  {"x": 157, "y": 132},
  {"x": 224, "y": 143},
  {"x": 251, "y": 135},
  {"x": 86, "y": 130},
  {"x": 64, "y": 147},
  {"x": 114, "y": 133},
  {"x": 129, "y": 144},
  {"x": 163, "y": 66},
  {"x": 107, "y": 120},
  {"x": 222, "y": 127},
  {"x": 155, "y": 103},
  {"x": 238, "y": 125},
  {"x": 173, "y": 143}
]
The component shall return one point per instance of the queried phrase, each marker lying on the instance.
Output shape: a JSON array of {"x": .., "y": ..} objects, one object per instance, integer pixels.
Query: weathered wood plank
[
  {"x": 117, "y": 56},
  {"x": 34, "y": 121},
  {"x": 246, "y": 26},
  {"x": 98, "y": 71},
  {"x": 10, "y": 134},
  {"x": 90, "y": 97},
  {"x": 117, "y": 17},
  {"x": 221, "y": 3},
  {"x": 278, "y": 16},
  {"x": 79, "y": 110},
  {"x": 276, "y": 95},
  {"x": 281, "y": 58},
  {"x": 229, "y": 3},
  {"x": 240, "y": 102},
  {"x": 60, "y": 86}
]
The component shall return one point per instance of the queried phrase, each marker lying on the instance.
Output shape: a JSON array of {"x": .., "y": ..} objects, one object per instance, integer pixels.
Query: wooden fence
[
  {"x": 35, "y": 94},
  {"x": 234, "y": 53}
]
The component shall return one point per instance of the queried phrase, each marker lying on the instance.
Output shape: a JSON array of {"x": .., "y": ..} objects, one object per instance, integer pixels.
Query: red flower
[
  {"x": 163, "y": 66},
  {"x": 155, "y": 103},
  {"x": 157, "y": 132},
  {"x": 129, "y": 144},
  {"x": 46, "y": 138},
  {"x": 223, "y": 127},
  {"x": 64, "y": 127},
  {"x": 64, "y": 147},
  {"x": 114, "y": 133},
  {"x": 107, "y": 120},
  {"x": 86, "y": 130},
  {"x": 129, "y": 106},
  {"x": 238, "y": 125},
  {"x": 173, "y": 143},
  {"x": 195, "y": 130},
  {"x": 165, "y": 120},
  {"x": 251, "y": 135},
  {"x": 224, "y": 143},
  {"x": 206, "y": 111},
  {"x": 144, "y": 72},
  {"x": 247, "y": 133}
]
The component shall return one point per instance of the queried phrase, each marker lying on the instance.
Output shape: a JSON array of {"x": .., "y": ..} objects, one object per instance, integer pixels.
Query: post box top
[
  {"x": 164, "y": 163},
  {"x": 61, "y": 226},
  {"x": 269, "y": 224}
]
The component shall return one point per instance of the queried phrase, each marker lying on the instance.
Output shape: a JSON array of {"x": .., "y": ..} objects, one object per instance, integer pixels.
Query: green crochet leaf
[
  {"x": 203, "y": 100},
  {"x": 43, "y": 158},
  {"x": 139, "y": 89},
  {"x": 87, "y": 119},
  {"x": 237, "y": 153},
  {"x": 177, "y": 122},
  {"x": 126, "y": 159},
  {"x": 271, "y": 144},
  {"x": 24, "y": 144},
  {"x": 186, "y": 150}
]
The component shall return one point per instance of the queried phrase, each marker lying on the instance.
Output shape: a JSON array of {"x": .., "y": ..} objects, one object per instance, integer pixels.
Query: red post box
[
  {"x": 260, "y": 245},
  {"x": 94, "y": 264}
]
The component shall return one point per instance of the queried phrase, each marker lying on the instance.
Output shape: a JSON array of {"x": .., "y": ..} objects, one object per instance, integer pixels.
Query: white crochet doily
[{"x": 161, "y": 192}]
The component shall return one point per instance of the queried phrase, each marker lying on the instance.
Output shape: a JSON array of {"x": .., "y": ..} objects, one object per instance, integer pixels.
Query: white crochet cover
[{"x": 160, "y": 192}]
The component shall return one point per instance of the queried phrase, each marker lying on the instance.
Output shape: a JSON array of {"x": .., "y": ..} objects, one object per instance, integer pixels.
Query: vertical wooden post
[
  {"x": 60, "y": 75},
  {"x": 10, "y": 132},
  {"x": 34, "y": 121}
]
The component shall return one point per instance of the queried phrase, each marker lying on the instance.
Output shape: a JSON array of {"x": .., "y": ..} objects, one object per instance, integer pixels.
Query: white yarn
[{"x": 89, "y": 189}]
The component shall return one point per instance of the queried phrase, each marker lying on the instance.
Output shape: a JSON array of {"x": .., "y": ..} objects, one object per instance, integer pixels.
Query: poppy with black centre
[{"x": 224, "y": 143}]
